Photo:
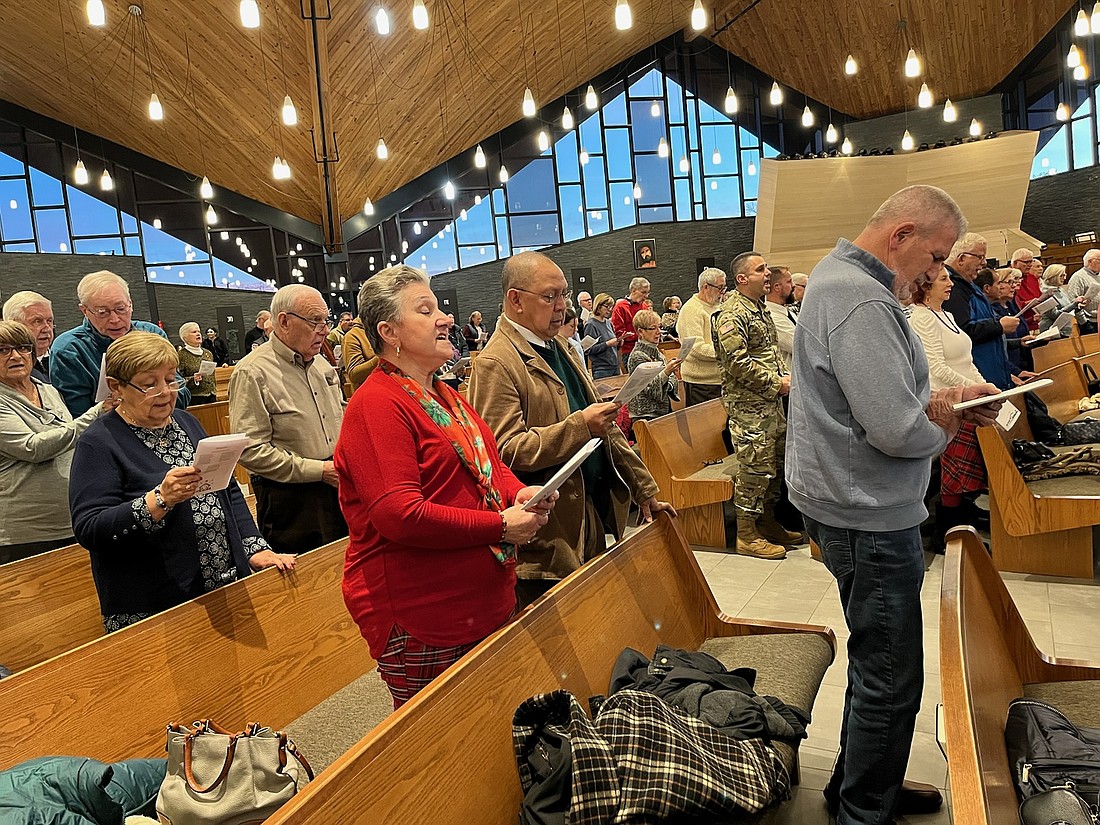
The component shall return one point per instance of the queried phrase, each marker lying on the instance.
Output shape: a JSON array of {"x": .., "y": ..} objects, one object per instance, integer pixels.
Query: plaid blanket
[{"x": 640, "y": 760}]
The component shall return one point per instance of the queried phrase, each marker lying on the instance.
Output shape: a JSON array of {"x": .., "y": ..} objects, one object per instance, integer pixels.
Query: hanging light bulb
[
  {"x": 381, "y": 150},
  {"x": 684, "y": 164},
  {"x": 924, "y": 97},
  {"x": 1073, "y": 59},
  {"x": 1081, "y": 24},
  {"x": 716, "y": 157},
  {"x": 584, "y": 156},
  {"x": 543, "y": 140},
  {"x": 277, "y": 168},
  {"x": 1095, "y": 22},
  {"x": 655, "y": 110},
  {"x": 105, "y": 181},
  {"x": 368, "y": 207},
  {"x": 807, "y": 117},
  {"x": 290, "y": 114},
  {"x": 1062, "y": 112},
  {"x": 211, "y": 215},
  {"x": 662, "y": 148},
  {"x": 250, "y": 14},
  {"x": 503, "y": 173},
  {"x": 830, "y": 134},
  {"x": 156, "y": 111},
  {"x": 80, "y": 173},
  {"x": 382, "y": 21},
  {"x": 567, "y": 119},
  {"x": 906, "y": 141},
  {"x": 698, "y": 16},
  {"x": 449, "y": 191},
  {"x": 637, "y": 192},
  {"x": 528, "y": 103},
  {"x": 730, "y": 104},
  {"x": 420, "y": 15},
  {"x": 950, "y": 114},
  {"x": 96, "y": 14},
  {"x": 846, "y": 147},
  {"x": 1080, "y": 72},
  {"x": 206, "y": 191},
  {"x": 479, "y": 157},
  {"x": 752, "y": 168},
  {"x": 850, "y": 66},
  {"x": 912, "y": 64},
  {"x": 591, "y": 101},
  {"x": 775, "y": 96},
  {"x": 975, "y": 127},
  {"x": 623, "y": 17}
]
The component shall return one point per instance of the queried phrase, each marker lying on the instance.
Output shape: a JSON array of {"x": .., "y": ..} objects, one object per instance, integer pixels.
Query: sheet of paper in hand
[
  {"x": 638, "y": 381},
  {"x": 215, "y": 458},
  {"x": 567, "y": 469}
]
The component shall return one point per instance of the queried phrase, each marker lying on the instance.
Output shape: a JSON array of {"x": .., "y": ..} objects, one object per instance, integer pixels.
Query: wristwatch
[{"x": 160, "y": 500}]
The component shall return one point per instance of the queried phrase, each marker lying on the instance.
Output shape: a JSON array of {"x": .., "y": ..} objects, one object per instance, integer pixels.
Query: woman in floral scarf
[{"x": 434, "y": 516}]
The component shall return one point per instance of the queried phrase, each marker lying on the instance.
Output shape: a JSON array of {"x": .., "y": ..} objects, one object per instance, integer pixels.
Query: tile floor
[{"x": 1062, "y": 614}]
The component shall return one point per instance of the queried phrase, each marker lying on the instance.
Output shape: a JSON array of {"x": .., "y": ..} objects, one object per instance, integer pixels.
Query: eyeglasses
[
  {"x": 972, "y": 255},
  {"x": 719, "y": 287},
  {"x": 104, "y": 312},
  {"x": 548, "y": 298},
  {"x": 646, "y": 329},
  {"x": 318, "y": 324},
  {"x": 171, "y": 386},
  {"x": 25, "y": 349}
]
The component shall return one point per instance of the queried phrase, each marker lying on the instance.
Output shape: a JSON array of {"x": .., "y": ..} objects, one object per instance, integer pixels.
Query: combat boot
[
  {"x": 751, "y": 543},
  {"x": 775, "y": 532}
]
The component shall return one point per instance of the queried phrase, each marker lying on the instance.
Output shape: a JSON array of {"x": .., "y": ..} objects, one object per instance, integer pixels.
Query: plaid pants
[{"x": 408, "y": 665}]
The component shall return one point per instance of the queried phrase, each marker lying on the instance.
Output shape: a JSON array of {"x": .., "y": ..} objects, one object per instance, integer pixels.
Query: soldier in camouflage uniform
[{"x": 753, "y": 381}]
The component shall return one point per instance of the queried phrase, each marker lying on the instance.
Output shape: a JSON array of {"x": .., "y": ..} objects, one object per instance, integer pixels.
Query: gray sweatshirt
[{"x": 859, "y": 444}]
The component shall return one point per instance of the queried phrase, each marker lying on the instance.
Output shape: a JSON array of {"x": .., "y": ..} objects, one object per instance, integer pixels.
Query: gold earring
[{"x": 398, "y": 350}]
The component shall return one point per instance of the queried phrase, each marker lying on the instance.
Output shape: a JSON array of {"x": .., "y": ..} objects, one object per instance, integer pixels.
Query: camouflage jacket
[{"x": 747, "y": 347}]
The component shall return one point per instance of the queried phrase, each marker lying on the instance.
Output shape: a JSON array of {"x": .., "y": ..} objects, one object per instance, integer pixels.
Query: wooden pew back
[
  {"x": 679, "y": 443},
  {"x": 212, "y": 417},
  {"x": 48, "y": 605},
  {"x": 1064, "y": 349},
  {"x": 1061, "y": 398},
  {"x": 221, "y": 382},
  {"x": 986, "y": 657},
  {"x": 266, "y": 648},
  {"x": 442, "y": 756}
]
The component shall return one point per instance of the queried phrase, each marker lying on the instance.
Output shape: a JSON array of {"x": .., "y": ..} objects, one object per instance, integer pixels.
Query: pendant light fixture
[
  {"x": 543, "y": 140},
  {"x": 975, "y": 127},
  {"x": 807, "y": 117},
  {"x": 655, "y": 109},
  {"x": 567, "y": 122},
  {"x": 503, "y": 173},
  {"x": 368, "y": 207},
  {"x": 850, "y": 66},
  {"x": 912, "y": 64},
  {"x": 906, "y": 141},
  {"x": 156, "y": 223},
  {"x": 206, "y": 191},
  {"x": 420, "y": 15},
  {"x": 1095, "y": 22},
  {"x": 211, "y": 215},
  {"x": 624, "y": 19},
  {"x": 684, "y": 164},
  {"x": 775, "y": 96},
  {"x": 80, "y": 173},
  {"x": 950, "y": 114},
  {"x": 156, "y": 111},
  {"x": 662, "y": 148},
  {"x": 1062, "y": 113},
  {"x": 1081, "y": 25},
  {"x": 528, "y": 103},
  {"x": 637, "y": 192},
  {"x": 105, "y": 181},
  {"x": 924, "y": 97},
  {"x": 730, "y": 104},
  {"x": 716, "y": 157},
  {"x": 1081, "y": 72},
  {"x": 382, "y": 22},
  {"x": 752, "y": 168},
  {"x": 96, "y": 14},
  {"x": 250, "y": 14},
  {"x": 381, "y": 149},
  {"x": 831, "y": 135},
  {"x": 584, "y": 156},
  {"x": 449, "y": 191},
  {"x": 846, "y": 147},
  {"x": 1073, "y": 59},
  {"x": 290, "y": 114},
  {"x": 479, "y": 157},
  {"x": 591, "y": 101},
  {"x": 698, "y": 16}
]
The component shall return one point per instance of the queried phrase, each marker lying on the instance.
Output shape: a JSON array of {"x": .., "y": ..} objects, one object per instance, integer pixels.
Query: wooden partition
[
  {"x": 213, "y": 417},
  {"x": 1063, "y": 350},
  {"x": 221, "y": 382},
  {"x": 267, "y": 648},
  {"x": 1062, "y": 396}
]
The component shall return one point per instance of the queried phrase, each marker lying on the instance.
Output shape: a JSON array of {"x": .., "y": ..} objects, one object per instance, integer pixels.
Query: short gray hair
[
  {"x": 1018, "y": 255},
  {"x": 709, "y": 275},
  {"x": 517, "y": 269},
  {"x": 380, "y": 299},
  {"x": 638, "y": 283},
  {"x": 926, "y": 206},
  {"x": 966, "y": 243},
  {"x": 261, "y": 315},
  {"x": 96, "y": 282},
  {"x": 288, "y": 297},
  {"x": 15, "y": 308},
  {"x": 188, "y": 326},
  {"x": 1092, "y": 253}
]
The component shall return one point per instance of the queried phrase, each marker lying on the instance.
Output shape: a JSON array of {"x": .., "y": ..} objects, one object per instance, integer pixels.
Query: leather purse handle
[{"x": 193, "y": 783}]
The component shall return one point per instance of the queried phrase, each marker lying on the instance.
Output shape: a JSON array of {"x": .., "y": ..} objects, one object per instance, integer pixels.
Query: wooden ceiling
[{"x": 435, "y": 94}]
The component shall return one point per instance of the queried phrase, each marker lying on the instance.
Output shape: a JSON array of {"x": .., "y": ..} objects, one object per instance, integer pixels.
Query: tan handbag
[{"x": 215, "y": 776}]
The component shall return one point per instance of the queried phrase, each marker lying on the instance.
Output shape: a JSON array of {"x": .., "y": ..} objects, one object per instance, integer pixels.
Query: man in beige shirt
[
  {"x": 290, "y": 403},
  {"x": 702, "y": 380}
]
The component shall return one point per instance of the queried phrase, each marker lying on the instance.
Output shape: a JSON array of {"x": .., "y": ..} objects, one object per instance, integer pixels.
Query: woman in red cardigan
[{"x": 434, "y": 516}]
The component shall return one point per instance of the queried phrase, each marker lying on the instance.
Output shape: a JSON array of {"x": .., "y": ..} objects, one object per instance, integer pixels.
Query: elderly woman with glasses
[
  {"x": 656, "y": 399},
  {"x": 37, "y": 436},
  {"x": 157, "y": 535},
  {"x": 604, "y": 354},
  {"x": 204, "y": 389},
  {"x": 435, "y": 517}
]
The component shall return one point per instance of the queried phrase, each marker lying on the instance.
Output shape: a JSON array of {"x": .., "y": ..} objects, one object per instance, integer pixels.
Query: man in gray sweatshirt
[{"x": 863, "y": 429}]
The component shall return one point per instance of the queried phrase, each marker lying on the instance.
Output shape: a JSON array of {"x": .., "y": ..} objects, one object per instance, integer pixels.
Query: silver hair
[
  {"x": 709, "y": 275},
  {"x": 15, "y": 308},
  {"x": 288, "y": 297},
  {"x": 966, "y": 243},
  {"x": 929, "y": 207},
  {"x": 1092, "y": 253},
  {"x": 1019, "y": 254},
  {"x": 96, "y": 282},
  {"x": 380, "y": 299},
  {"x": 186, "y": 327},
  {"x": 261, "y": 315},
  {"x": 638, "y": 283}
]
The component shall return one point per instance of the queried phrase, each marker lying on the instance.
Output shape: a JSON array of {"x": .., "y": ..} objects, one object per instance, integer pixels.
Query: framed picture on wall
[{"x": 645, "y": 254}]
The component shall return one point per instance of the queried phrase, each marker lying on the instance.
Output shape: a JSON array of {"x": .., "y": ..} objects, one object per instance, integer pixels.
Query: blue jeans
[{"x": 879, "y": 576}]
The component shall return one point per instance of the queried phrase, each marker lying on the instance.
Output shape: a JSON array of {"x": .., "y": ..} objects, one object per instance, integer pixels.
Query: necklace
[
  {"x": 159, "y": 435},
  {"x": 943, "y": 319}
]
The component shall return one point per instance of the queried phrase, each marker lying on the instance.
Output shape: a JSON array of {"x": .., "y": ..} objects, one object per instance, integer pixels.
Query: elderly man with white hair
[
  {"x": 290, "y": 404},
  {"x": 584, "y": 301},
  {"x": 36, "y": 312},
  {"x": 76, "y": 356},
  {"x": 1088, "y": 276}
]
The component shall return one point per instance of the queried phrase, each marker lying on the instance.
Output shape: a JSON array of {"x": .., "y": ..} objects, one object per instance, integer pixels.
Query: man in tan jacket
[{"x": 542, "y": 407}]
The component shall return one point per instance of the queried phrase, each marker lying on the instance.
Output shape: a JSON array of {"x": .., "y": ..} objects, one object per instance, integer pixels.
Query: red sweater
[
  {"x": 622, "y": 321},
  {"x": 1029, "y": 289},
  {"x": 420, "y": 533}
]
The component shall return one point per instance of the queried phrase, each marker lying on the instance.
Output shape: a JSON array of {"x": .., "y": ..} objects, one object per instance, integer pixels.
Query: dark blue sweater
[{"x": 136, "y": 571}]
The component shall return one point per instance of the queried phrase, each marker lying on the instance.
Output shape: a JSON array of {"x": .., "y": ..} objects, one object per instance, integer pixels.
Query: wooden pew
[
  {"x": 446, "y": 756},
  {"x": 1091, "y": 360},
  {"x": 212, "y": 416},
  {"x": 675, "y": 448},
  {"x": 1061, "y": 398},
  {"x": 221, "y": 382},
  {"x": 266, "y": 648},
  {"x": 987, "y": 659},
  {"x": 1042, "y": 527},
  {"x": 1064, "y": 349}
]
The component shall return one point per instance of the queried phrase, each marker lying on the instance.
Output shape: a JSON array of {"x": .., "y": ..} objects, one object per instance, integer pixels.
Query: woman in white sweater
[{"x": 947, "y": 347}]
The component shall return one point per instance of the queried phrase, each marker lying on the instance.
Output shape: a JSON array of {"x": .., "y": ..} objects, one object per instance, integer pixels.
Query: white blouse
[{"x": 947, "y": 347}]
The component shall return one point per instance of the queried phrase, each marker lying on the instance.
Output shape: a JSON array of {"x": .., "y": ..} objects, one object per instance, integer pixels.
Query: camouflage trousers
[{"x": 758, "y": 430}]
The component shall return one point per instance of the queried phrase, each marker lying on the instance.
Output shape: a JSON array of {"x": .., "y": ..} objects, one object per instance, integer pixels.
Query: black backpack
[{"x": 1047, "y": 751}]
